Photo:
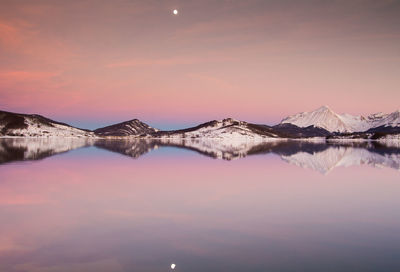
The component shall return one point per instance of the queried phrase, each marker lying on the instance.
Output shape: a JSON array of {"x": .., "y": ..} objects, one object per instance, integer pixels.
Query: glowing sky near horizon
[{"x": 92, "y": 63}]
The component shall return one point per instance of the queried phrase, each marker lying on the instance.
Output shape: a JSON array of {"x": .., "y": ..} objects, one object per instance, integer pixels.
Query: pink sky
[{"x": 93, "y": 63}]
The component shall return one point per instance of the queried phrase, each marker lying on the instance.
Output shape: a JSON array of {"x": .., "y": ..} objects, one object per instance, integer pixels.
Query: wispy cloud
[
  {"x": 156, "y": 62},
  {"x": 21, "y": 75},
  {"x": 172, "y": 61}
]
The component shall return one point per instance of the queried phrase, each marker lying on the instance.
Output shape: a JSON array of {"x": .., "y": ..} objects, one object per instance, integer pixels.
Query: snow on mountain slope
[
  {"x": 225, "y": 129},
  {"x": 322, "y": 117},
  {"x": 325, "y": 118},
  {"x": 26, "y": 125},
  {"x": 229, "y": 131},
  {"x": 392, "y": 119}
]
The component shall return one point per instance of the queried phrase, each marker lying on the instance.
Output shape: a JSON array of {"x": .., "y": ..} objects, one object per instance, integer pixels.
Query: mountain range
[
  {"x": 325, "y": 118},
  {"x": 322, "y": 123}
]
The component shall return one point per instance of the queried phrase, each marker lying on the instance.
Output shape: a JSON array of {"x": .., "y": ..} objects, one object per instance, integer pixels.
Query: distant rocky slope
[
  {"x": 33, "y": 125},
  {"x": 129, "y": 128}
]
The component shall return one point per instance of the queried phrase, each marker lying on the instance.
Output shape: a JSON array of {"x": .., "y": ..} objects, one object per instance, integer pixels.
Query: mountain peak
[
  {"x": 34, "y": 125},
  {"x": 228, "y": 121},
  {"x": 323, "y": 117},
  {"x": 135, "y": 121},
  {"x": 132, "y": 127},
  {"x": 324, "y": 108}
]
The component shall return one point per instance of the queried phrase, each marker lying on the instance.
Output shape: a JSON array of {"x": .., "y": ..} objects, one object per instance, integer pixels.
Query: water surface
[{"x": 78, "y": 205}]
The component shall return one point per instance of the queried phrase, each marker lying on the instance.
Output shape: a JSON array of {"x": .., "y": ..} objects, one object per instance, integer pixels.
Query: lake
[{"x": 142, "y": 205}]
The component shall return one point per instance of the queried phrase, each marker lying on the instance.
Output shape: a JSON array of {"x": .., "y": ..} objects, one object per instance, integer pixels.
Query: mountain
[
  {"x": 129, "y": 128},
  {"x": 325, "y": 118},
  {"x": 226, "y": 129},
  {"x": 230, "y": 129},
  {"x": 387, "y": 120},
  {"x": 322, "y": 123},
  {"x": 33, "y": 125}
]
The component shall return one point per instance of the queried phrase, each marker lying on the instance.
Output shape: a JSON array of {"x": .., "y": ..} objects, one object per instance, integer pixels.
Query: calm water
[{"x": 141, "y": 206}]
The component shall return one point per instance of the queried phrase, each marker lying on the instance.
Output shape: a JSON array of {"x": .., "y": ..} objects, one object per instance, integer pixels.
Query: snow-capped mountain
[
  {"x": 325, "y": 118},
  {"x": 322, "y": 123},
  {"x": 226, "y": 130},
  {"x": 33, "y": 125},
  {"x": 129, "y": 128},
  {"x": 387, "y": 120}
]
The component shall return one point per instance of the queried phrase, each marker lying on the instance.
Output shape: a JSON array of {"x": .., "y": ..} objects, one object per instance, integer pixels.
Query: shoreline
[{"x": 247, "y": 139}]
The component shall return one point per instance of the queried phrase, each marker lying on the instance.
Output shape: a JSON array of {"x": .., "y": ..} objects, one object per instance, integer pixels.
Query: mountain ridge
[
  {"x": 132, "y": 127},
  {"x": 324, "y": 117},
  {"x": 35, "y": 125},
  {"x": 321, "y": 123}
]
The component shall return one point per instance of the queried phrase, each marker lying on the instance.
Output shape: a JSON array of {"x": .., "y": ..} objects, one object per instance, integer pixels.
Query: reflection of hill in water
[
  {"x": 23, "y": 149},
  {"x": 133, "y": 148},
  {"x": 321, "y": 157}
]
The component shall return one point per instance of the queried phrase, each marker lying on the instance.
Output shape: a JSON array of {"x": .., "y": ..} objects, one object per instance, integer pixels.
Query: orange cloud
[
  {"x": 9, "y": 35},
  {"x": 17, "y": 75}
]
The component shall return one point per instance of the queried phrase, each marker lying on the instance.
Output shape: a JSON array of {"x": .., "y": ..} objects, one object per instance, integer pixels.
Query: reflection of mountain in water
[
  {"x": 335, "y": 156},
  {"x": 133, "y": 148},
  {"x": 23, "y": 149},
  {"x": 321, "y": 156}
]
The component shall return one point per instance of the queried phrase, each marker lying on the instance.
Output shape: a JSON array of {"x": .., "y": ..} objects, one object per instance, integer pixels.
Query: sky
[{"x": 94, "y": 63}]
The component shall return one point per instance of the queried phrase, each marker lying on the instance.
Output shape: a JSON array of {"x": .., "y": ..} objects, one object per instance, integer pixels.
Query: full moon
[
  {"x": 175, "y": 11},
  {"x": 173, "y": 266}
]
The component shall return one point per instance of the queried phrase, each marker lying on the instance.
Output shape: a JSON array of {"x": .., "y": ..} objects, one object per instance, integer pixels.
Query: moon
[
  {"x": 175, "y": 12},
  {"x": 173, "y": 266}
]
